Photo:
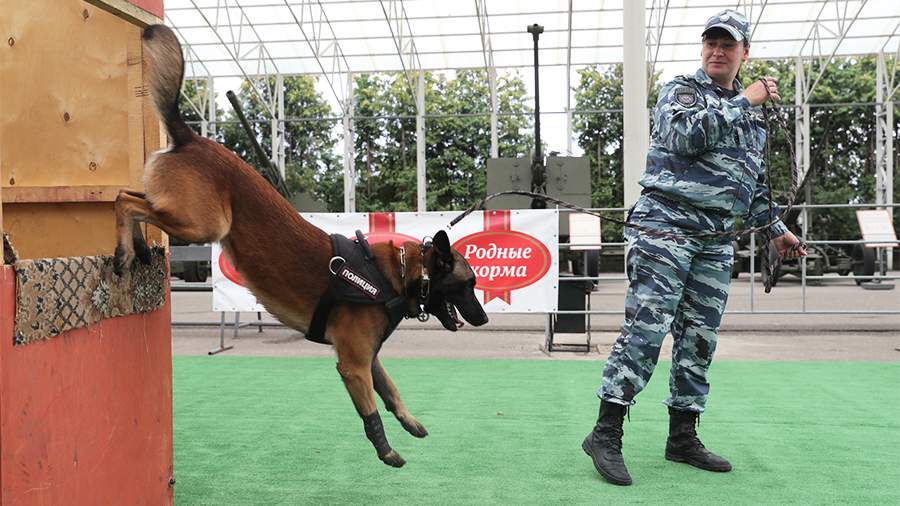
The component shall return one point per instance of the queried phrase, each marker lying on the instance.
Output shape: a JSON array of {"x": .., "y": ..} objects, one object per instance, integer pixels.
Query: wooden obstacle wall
[{"x": 85, "y": 417}]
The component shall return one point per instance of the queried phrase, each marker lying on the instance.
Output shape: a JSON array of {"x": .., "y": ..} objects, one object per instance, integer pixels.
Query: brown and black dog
[{"x": 201, "y": 192}]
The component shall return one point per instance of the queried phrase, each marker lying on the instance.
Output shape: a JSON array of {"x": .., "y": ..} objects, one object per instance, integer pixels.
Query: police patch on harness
[
  {"x": 358, "y": 282},
  {"x": 686, "y": 96}
]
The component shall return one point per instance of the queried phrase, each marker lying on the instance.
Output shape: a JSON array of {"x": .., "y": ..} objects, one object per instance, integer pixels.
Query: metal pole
[
  {"x": 204, "y": 120},
  {"x": 349, "y": 172},
  {"x": 752, "y": 270},
  {"x": 222, "y": 346},
  {"x": 588, "y": 297},
  {"x": 495, "y": 148},
  {"x": 801, "y": 120},
  {"x": 536, "y": 30},
  {"x": 884, "y": 145},
  {"x": 211, "y": 103},
  {"x": 538, "y": 184},
  {"x": 804, "y": 233},
  {"x": 278, "y": 127},
  {"x": 420, "y": 145},
  {"x": 634, "y": 92},
  {"x": 569, "y": 94}
]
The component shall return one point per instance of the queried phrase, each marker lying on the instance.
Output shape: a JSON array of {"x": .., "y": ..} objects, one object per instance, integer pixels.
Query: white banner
[{"x": 515, "y": 254}]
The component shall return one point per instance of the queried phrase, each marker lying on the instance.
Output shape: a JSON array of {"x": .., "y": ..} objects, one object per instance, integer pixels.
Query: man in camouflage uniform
[{"x": 704, "y": 169}]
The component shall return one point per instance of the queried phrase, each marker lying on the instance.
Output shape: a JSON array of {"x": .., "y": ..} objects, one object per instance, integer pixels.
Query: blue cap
[{"x": 731, "y": 21}]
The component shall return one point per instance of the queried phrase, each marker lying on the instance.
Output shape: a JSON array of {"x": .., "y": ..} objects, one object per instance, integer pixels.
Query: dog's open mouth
[
  {"x": 451, "y": 310},
  {"x": 446, "y": 313}
]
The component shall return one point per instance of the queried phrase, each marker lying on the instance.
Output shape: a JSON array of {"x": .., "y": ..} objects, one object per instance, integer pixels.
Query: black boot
[
  {"x": 683, "y": 444},
  {"x": 604, "y": 444}
]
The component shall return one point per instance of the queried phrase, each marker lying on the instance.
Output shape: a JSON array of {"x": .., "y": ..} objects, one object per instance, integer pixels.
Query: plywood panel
[
  {"x": 58, "y": 230},
  {"x": 65, "y": 95}
]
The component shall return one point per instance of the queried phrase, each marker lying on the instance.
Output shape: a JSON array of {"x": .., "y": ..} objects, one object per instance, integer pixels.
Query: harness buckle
[{"x": 331, "y": 264}]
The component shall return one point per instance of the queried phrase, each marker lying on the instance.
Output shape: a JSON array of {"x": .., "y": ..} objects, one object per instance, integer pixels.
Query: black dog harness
[{"x": 356, "y": 279}]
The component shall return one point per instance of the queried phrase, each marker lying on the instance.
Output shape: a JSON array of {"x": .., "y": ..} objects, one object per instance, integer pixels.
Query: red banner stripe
[
  {"x": 497, "y": 221},
  {"x": 382, "y": 223}
]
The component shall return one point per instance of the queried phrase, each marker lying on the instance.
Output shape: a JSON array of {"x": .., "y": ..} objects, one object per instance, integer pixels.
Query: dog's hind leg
[
  {"x": 355, "y": 354},
  {"x": 131, "y": 208},
  {"x": 141, "y": 250},
  {"x": 391, "y": 397}
]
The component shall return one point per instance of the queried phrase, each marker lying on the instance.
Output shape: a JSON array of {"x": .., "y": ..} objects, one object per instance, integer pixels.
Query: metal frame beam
[
  {"x": 487, "y": 52},
  {"x": 206, "y": 109},
  {"x": 749, "y": 7},
  {"x": 405, "y": 43},
  {"x": 656, "y": 24},
  {"x": 692, "y": 26},
  {"x": 886, "y": 86},
  {"x": 313, "y": 24},
  {"x": 237, "y": 43},
  {"x": 838, "y": 29},
  {"x": 569, "y": 84},
  {"x": 884, "y": 138}
]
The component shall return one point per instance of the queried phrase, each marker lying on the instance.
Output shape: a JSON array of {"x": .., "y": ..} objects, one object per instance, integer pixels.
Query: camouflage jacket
[{"x": 707, "y": 150}]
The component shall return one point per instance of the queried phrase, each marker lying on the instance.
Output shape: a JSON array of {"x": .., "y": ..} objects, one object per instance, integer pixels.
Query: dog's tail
[{"x": 166, "y": 73}]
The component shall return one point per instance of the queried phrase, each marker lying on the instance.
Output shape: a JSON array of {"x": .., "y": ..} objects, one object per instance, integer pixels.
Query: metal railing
[{"x": 878, "y": 276}]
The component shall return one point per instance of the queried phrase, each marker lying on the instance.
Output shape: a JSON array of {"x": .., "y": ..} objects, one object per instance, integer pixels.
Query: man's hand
[
  {"x": 788, "y": 246},
  {"x": 756, "y": 93}
]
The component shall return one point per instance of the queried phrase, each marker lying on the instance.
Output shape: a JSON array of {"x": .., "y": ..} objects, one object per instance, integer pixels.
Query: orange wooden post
[{"x": 85, "y": 417}]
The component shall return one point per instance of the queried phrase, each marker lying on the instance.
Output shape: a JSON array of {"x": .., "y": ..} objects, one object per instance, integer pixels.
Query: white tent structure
[{"x": 337, "y": 38}]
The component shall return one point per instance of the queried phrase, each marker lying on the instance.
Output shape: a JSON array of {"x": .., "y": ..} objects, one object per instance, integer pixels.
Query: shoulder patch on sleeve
[{"x": 686, "y": 96}]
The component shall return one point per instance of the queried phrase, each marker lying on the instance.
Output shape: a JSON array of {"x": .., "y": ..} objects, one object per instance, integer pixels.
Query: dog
[{"x": 201, "y": 192}]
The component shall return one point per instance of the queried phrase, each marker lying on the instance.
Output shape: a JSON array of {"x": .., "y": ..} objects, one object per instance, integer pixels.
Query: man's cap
[{"x": 733, "y": 22}]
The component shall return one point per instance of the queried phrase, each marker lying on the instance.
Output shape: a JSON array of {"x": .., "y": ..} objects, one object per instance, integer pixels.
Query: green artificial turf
[{"x": 267, "y": 431}]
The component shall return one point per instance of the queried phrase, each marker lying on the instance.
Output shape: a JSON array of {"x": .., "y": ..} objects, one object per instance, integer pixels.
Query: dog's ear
[{"x": 441, "y": 245}]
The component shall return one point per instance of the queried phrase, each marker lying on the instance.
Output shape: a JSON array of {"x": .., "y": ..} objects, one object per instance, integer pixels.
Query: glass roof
[{"x": 238, "y": 37}]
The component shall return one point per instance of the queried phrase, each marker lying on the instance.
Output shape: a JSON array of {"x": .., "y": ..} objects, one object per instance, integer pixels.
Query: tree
[
  {"x": 842, "y": 168},
  {"x": 842, "y": 139},
  {"x": 457, "y": 137},
  {"x": 311, "y": 163}
]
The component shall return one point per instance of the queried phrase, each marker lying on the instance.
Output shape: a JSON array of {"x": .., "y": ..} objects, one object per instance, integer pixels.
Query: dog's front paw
[
  {"x": 414, "y": 427},
  {"x": 392, "y": 458},
  {"x": 121, "y": 261},
  {"x": 142, "y": 251}
]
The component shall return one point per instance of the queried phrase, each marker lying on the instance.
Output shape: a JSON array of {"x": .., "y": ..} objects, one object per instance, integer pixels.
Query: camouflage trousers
[{"x": 678, "y": 284}]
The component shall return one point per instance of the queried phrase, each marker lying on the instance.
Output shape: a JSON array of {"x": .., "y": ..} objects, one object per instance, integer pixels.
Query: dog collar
[{"x": 424, "y": 285}]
